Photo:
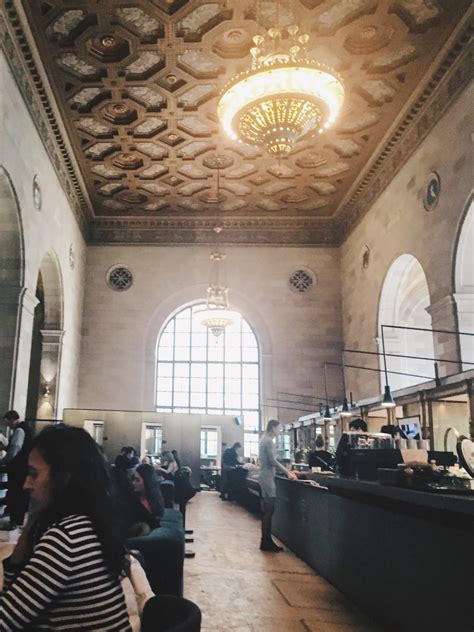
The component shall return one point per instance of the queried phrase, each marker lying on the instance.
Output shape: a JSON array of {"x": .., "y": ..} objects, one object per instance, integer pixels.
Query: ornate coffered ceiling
[{"x": 128, "y": 92}]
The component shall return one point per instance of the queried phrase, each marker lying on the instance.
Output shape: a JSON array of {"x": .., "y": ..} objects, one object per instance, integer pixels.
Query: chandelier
[
  {"x": 283, "y": 96},
  {"x": 217, "y": 315}
]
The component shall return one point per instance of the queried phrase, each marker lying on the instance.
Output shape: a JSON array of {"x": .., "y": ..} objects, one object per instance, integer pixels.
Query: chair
[{"x": 166, "y": 613}]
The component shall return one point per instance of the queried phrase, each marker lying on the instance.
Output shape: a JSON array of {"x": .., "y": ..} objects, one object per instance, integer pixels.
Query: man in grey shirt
[{"x": 268, "y": 467}]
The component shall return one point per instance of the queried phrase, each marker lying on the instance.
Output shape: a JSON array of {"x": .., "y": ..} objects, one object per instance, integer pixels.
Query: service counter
[{"x": 404, "y": 557}]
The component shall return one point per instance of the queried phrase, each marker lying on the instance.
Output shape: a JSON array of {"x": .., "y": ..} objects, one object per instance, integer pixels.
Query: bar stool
[{"x": 167, "y": 613}]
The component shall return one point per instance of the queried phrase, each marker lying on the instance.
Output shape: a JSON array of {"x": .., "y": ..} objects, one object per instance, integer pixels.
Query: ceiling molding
[
  {"x": 37, "y": 98},
  {"x": 296, "y": 222},
  {"x": 447, "y": 81}
]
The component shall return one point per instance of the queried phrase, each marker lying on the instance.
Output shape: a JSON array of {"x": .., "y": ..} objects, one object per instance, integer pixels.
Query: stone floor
[{"x": 238, "y": 587}]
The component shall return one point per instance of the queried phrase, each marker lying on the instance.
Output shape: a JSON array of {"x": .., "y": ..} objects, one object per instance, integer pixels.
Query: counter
[{"x": 404, "y": 557}]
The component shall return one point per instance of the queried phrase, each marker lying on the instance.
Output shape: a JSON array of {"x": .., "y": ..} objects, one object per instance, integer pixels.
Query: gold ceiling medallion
[{"x": 284, "y": 95}]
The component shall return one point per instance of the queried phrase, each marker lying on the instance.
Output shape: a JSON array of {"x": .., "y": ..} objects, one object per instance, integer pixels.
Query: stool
[{"x": 166, "y": 613}]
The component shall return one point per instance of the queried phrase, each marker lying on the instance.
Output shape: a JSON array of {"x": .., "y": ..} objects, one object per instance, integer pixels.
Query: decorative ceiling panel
[{"x": 136, "y": 83}]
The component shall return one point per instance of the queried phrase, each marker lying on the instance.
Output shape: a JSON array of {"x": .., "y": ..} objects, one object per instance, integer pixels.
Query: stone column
[
  {"x": 446, "y": 346},
  {"x": 17, "y": 308},
  {"x": 465, "y": 313},
  {"x": 50, "y": 368}
]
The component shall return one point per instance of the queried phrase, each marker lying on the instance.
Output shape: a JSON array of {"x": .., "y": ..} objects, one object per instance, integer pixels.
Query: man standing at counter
[{"x": 268, "y": 467}]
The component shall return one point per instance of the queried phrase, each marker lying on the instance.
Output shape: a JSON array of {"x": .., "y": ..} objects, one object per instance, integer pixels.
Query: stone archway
[
  {"x": 46, "y": 347},
  {"x": 404, "y": 301},
  {"x": 464, "y": 287},
  {"x": 11, "y": 288}
]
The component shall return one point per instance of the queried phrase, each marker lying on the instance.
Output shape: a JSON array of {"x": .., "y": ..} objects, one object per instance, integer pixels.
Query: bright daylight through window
[{"x": 199, "y": 373}]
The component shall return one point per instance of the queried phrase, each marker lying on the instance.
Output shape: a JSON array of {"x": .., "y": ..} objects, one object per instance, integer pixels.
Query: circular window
[
  {"x": 432, "y": 191},
  {"x": 301, "y": 281},
  {"x": 120, "y": 278}
]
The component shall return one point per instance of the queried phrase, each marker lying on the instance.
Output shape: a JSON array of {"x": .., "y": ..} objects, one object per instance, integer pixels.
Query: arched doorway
[
  {"x": 45, "y": 358},
  {"x": 11, "y": 288},
  {"x": 464, "y": 287},
  {"x": 403, "y": 302}
]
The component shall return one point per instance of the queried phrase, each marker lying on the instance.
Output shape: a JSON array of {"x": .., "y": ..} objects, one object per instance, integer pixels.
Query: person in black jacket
[
  {"x": 16, "y": 460},
  {"x": 321, "y": 457},
  {"x": 230, "y": 460}
]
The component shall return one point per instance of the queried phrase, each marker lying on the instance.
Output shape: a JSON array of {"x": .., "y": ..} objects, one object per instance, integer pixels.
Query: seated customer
[
  {"x": 127, "y": 459},
  {"x": 149, "y": 506},
  {"x": 68, "y": 543},
  {"x": 321, "y": 457},
  {"x": 170, "y": 465}
]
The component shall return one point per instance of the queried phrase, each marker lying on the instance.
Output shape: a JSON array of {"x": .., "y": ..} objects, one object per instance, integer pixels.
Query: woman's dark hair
[
  {"x": 152, "y": 488},
  {"x": 273, "y": 423},
  {"x": 80, "y": 484},
  {"x": 176, "y": 458},
  {"x": 319, "y": 442},
  {"x": 358, "y": 424}
]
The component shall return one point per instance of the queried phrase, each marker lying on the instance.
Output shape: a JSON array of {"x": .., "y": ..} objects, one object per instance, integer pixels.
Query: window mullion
[{"x": 173, "y": 372}]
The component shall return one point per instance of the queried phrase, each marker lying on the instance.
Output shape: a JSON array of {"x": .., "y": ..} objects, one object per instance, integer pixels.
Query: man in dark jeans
[{"x": 16, "y": 460}]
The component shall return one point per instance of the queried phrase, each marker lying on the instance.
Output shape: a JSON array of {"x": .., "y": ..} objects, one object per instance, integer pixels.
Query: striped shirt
[{"x": 65, "y": 585}]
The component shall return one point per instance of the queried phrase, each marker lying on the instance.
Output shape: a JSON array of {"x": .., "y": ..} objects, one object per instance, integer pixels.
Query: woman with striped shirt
[{"x": 64, "y": 573}]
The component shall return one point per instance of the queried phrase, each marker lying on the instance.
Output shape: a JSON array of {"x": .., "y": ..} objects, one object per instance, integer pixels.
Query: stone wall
[
  {"x": 398, "y": 224},
  {"x": 49, "y": 238},
  {"x": 297, "y": 332}
]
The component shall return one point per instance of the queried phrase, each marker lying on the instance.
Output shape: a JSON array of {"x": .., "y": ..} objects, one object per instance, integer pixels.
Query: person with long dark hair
[
  {"x": 64, "y": 573},
  {"x": 149, "y": 507}
]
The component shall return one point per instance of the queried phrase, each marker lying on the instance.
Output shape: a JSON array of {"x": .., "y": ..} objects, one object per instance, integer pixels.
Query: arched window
[
  {"x": 403, "y": 302},
  {"x": 199, "y": 373},
  {"x": 464, "y": 294}
]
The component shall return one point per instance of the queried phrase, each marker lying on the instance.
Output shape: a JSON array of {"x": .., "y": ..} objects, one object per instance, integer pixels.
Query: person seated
[
  {"x": 67, "y": 540},
  {"x": 176, "y": 458},
  {"x": 321, "y": 457},
  {"x": 170, "y": 466},
  {"x": 127, "y": 459},
  {"x": 149, "y": 505}
]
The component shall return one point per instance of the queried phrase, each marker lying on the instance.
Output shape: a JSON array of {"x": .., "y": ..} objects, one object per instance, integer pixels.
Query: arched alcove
[
  {"x": 45, "y": 358},
  {"x": 198, "y": 372},
  {"x": 11, "y": 287},
  {"x": 403, "y": 302},
  {"x": 464, "y": 286}
]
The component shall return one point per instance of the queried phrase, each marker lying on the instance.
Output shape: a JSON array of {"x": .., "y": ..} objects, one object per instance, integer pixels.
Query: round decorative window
[
  {"x": 301, "y": 281},
  {"x": 120, "y": 278},
  {"x": 432, "y": 191}
]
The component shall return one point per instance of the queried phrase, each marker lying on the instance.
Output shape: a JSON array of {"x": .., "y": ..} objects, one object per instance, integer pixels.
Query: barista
[
  {"x": 321, "y": 457},
  {"x": 342, "y": 451}
]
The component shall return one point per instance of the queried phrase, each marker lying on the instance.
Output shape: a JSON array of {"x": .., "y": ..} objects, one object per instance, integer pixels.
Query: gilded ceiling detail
[{"x": 137, "y": 84}]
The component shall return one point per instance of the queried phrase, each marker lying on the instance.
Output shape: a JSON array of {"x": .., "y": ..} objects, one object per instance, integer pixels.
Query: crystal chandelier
[
  {"x": 283, "y": 96},
  {"x": 217, "y": 315}
]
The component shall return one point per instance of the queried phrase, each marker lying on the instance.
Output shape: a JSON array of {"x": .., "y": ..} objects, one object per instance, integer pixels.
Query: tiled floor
[{"x": 238, "y": 587}]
